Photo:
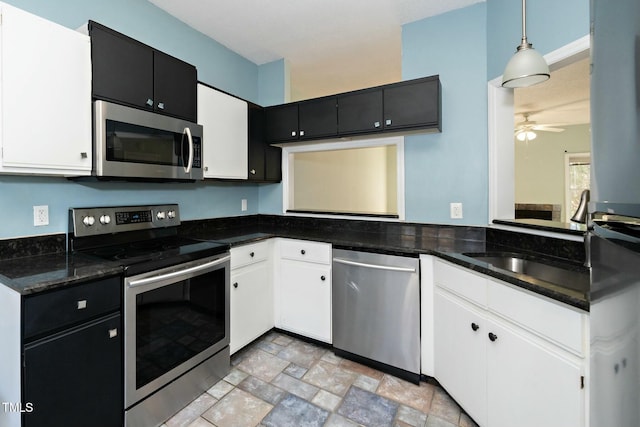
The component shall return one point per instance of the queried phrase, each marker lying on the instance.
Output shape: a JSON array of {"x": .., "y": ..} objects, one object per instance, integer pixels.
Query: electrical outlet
[
  {"x": 456, "y": 210},
  {"x": 40, "y": 215},
  {"x": 243, "y": 205}
]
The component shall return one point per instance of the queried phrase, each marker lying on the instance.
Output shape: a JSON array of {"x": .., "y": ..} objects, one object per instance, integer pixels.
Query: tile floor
[{"x": 280, "y": 381}]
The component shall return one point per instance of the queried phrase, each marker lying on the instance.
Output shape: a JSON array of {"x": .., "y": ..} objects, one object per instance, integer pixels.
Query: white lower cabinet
[
  {"x": 304, "y": 289},
  {"x": 498, "y": 366},
  {"x": 251, "y": 296}
]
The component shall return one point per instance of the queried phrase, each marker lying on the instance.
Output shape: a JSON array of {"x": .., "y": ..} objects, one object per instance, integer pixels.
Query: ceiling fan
[{"x": 526, "y": 130}]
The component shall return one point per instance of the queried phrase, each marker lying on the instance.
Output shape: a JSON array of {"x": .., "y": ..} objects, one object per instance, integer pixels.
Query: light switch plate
[{"x": 456, "y": 210}]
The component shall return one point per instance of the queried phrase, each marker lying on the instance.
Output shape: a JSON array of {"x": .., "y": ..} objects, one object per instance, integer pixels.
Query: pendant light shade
[{"x": 527, "y": 67}]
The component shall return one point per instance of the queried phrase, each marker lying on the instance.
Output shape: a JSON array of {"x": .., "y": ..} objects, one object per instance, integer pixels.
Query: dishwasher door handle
[{"x": 374, "y": 266}]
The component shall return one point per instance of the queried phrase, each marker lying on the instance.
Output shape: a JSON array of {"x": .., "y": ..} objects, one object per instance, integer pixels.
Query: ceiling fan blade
[{"x": 544, "y": 128}]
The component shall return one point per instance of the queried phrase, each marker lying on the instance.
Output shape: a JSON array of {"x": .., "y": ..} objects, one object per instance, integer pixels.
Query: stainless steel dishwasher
[{"x": 376, "y": 311}]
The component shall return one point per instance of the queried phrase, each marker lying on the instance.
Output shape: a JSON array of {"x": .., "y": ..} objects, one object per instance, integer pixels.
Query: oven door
[{"x": 175, "y": 318}]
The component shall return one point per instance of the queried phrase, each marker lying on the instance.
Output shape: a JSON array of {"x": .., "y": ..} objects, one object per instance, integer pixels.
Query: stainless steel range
[{"x": 176, "y": 304}]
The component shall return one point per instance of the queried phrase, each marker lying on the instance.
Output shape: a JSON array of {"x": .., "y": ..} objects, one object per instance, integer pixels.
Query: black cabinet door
[
  {"x": 281, "y": 123},
  {"x": 318, "y": 118},
  {"x": 264, "y": 160},
  {"x": 360, "y": 112},
  {"x": 174, "y": 87},
  {"x": 75, "y": 378},
  {"x": 256, "y": 161},
  {"x": 414, "y": 103},
  {"x": 272, "y": 164},
  {"x": 122, "y": 68}
]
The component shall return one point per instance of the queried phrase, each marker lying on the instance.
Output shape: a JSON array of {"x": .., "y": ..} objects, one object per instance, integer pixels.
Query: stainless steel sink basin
[{"x": 566, "y": 278}]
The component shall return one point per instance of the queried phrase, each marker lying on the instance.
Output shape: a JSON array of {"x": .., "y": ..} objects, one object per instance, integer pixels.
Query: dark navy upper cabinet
[
  {"x": 360, "y": 111},
  {"x": 129, "y": 72},
  {"x": 318, "y": 118},
  {"x": 404, "y": 106},
  {"x": 412, "y": 104}
]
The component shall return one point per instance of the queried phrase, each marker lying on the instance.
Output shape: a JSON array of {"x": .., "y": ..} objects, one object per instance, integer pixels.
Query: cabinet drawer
[
  {"x": 553, "y": 321},
  {"x": 302, "y": 250},
  {"x": 53, "y": 310},
  {"x": 249, "y": 254},
  {"x": 463, "y": 283}
]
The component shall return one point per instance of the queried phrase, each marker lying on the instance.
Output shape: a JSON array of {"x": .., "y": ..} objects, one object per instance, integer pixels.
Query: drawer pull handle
[
  {"x": 113, "y": 333},
  {"x": 235, "y": 285},
  {"x": 323, "y": 278},
  {"x": 492, "y": 336},
  {"x": 82, "y": 304},
  {"x": 475, "y": 326},
  {"x": 303, "y": 252},
  {"x": 252, "y": 254}
]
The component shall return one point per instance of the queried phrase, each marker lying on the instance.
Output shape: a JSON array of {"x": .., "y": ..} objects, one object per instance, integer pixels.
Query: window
[
  {"x": 578, "y": 176},
  {"x": 362, "y": 178}
]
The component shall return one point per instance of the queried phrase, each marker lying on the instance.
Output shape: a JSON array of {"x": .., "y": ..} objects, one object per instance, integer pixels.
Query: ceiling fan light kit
[
  {"x": 527, "y": 67},
  {"x": 526, "y": 135}
]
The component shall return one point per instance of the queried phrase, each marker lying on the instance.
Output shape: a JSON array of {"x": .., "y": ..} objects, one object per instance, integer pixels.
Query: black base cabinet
[
  {"x": 74, "y": 379},
  {"x": 72, "y": 361}
]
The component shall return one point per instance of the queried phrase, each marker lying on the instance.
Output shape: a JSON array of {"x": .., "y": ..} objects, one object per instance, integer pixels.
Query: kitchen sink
[{"x": 565, "y": 277}]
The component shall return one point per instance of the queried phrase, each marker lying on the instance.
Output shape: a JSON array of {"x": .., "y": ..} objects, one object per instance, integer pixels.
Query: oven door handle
[{"x": 178, "y": 273}]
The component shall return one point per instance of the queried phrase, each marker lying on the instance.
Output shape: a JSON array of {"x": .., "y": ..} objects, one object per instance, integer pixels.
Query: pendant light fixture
[{"x": 527, "y": 67}]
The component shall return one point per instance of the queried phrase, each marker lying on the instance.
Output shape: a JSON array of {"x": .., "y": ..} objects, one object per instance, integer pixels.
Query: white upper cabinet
[
  {"x": 225, "y": 120},
  {"x": 45, "y": 92}
]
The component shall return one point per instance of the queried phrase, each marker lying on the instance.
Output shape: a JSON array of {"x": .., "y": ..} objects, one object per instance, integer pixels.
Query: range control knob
[
  {"x": 88, "y": 220},
  {"x": 161, "y": 215},
  {"x": 171, "y": 214},
  {"x": 105, "y": 219}
]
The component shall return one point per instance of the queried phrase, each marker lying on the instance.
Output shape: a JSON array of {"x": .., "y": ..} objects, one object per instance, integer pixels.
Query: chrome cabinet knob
[
  {"x": 161, "y": 105},
  {"x": 376, "y": 124},
  {"x": 323, "y": 278},
  {"x": 83, "y": 155},
  {"x": 235, "y": 285},
  {"x": 149, "y": 102},
  {"x": 253, "y": 171},
  {"x": 301, "y": 133},
  {"x": 293, "y": 133},
  {"x": 388, "y": 122}
]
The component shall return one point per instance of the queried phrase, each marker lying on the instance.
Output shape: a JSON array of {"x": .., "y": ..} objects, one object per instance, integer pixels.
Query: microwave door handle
[{"x": 187, "y": 131}]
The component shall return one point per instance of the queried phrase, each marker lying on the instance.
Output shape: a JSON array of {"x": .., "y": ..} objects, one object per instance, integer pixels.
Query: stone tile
[
  {"x": 336, "y": 420},
  {"x": 295, "y": 412},
  {"x": 361, "y": 369},
  {"x": 411, "y": 417},
  {"x": 219, "y": 389},
  {"x": 238, "y": 409},
  {"x": 235, "y": 377},
  {"x": 433, "y": 421},
  {"x": 368, "y": 408},
  {"x": 416, "y": 396},
  {"x": 263, "y": 365},
  {"x": 295, "y": 386},
  {"x": 402, "y": 424},
  {"x": 295, "y": 371},
  {"x": 443, "y": 406},
  {"x": 301, "y": 353},
  {"x": 282, "y": 340},
  {"x": 330, "y": 377},
  {"x": 326, "y": 400},
  {"x": 201, "y": 422},
  {"x": 192, "y": 411},
  {"x": 331, "y": 357},
  {"x": 466, "y": 421},
  {"x": 269, "y": 347},
  {"x": 367, "y": 383},
  {"x": 262, "y": 390}
]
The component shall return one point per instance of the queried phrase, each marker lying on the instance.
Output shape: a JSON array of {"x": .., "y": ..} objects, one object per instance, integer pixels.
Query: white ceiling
[{"x": 332, "y": 46}]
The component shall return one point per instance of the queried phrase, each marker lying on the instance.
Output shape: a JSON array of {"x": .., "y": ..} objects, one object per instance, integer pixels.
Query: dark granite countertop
[
  {"x": 571, "y": 228},
  {"x": 448, "y": 249},
  {"x": 28, "y": 275}
]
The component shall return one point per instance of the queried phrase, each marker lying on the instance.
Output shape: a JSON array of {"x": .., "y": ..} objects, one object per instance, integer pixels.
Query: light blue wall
[
  {"x": 216, "y": 65},
  {"x": 450, "y": 166},
  {"x": 272, "y": 82}
]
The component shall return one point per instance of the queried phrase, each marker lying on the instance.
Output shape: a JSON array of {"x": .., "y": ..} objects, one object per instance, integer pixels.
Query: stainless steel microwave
[{"x": 135, "y": 144}]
